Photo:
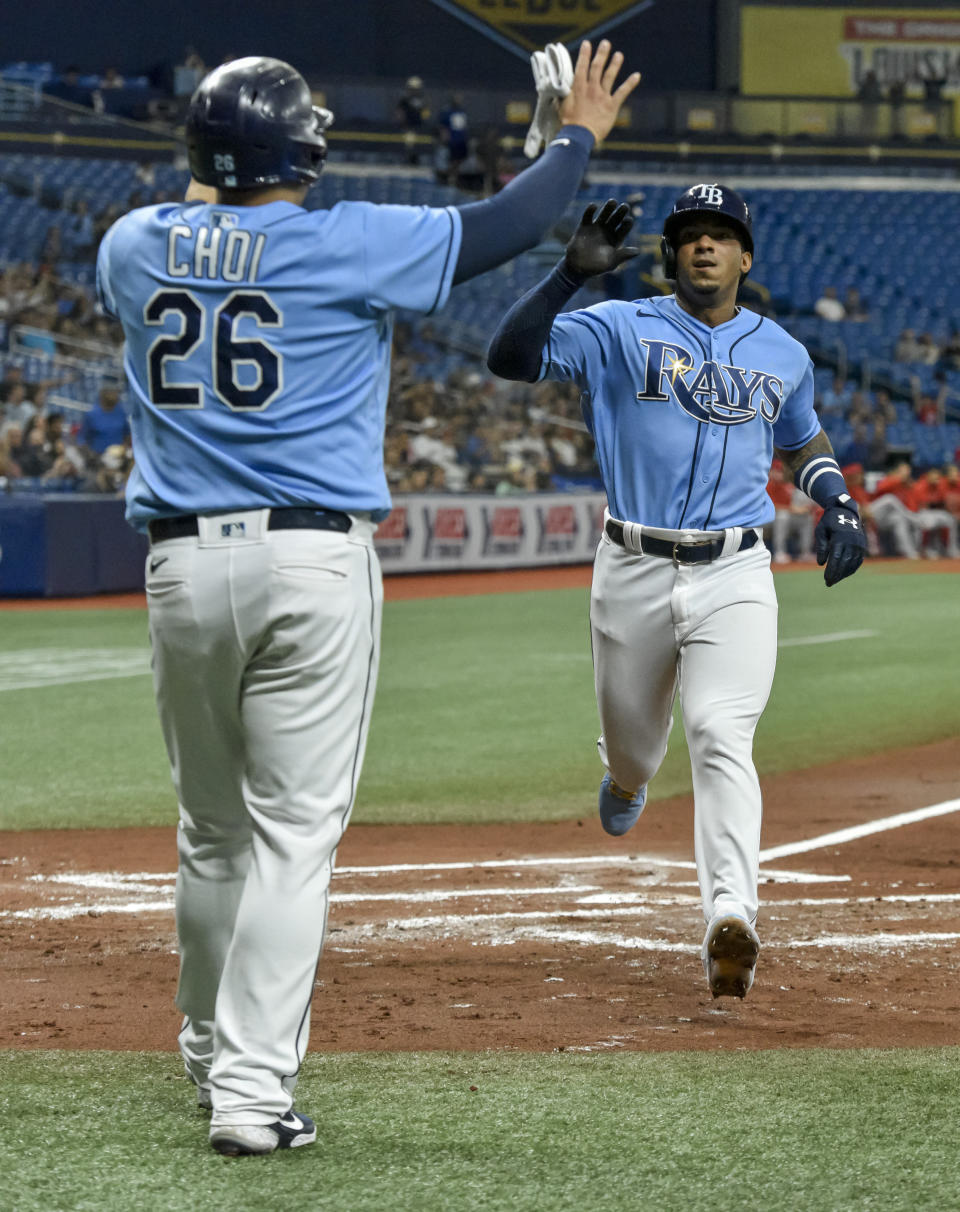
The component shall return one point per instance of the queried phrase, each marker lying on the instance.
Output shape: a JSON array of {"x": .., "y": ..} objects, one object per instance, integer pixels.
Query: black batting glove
[
  {"x": 841, "y": 543},
  {"x": 595, "y": 247}
]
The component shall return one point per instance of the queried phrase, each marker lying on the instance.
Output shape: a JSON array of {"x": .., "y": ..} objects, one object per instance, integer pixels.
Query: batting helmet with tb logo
[
  {"x": 252, "y": 123},
  {"x": 708, "y": 200}
]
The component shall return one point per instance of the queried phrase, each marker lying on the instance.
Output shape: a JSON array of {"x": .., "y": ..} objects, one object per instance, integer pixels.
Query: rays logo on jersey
[{"x": 709, "y": 391}]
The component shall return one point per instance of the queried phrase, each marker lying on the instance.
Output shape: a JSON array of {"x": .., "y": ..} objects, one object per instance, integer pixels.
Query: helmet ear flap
[{"x": 669, "y": 258}]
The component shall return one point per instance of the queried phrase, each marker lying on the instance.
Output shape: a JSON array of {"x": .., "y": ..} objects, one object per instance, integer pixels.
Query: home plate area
[{"x": 539, "y": 937}]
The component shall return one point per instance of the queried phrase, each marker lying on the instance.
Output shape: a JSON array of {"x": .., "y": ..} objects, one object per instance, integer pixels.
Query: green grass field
[
  {"x": 486, "y": 712},
  {"x": 810, "y": 1131},
  {"x": 485, "y": 708}
]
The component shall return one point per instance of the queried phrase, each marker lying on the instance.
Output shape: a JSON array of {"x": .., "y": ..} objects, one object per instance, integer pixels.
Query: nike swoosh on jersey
[
  {"x": 155, "y": 564},
  {"x": 560, "y": 143}
]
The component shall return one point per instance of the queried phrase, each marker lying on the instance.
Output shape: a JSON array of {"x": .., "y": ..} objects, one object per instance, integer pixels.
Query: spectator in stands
[
  {"x": 517, "y": 478},
  {"x": 563, "y": 448},
  {"x": 835, "y": 399},
  {"x": 933, "y": 86},
  {"x": 68, "y": 88},
  {"x": 869, "y": 94},
  {"x": 111, "y": 78},
  {"x": 950, "y": 353},
  {"x": 188, "y": 74},
  {"x": 104, "y": 425},
  {"x": 828, "y": 306},
  {"x": 855, "y": 448},
  {"x": 869, "y": 88},
  {"x": 110, "y": 472},
  {"x": 908, "y": 348},
  {"x": 452, "y": 130},
  {"x": 12, "y": 377},
  {"x": 884, "y": 407},
  {"x": 411, "y": 113},
  {"x": 896, "y": 95},
  {"x": 860, "y": 408},
  {"x": 878, "y": 450},
  {"x": 436, "y": 445},
  {"x": 106, "y": 219},
  {"x": 35, "y": 461},
  {"x": 78, "y": 234},
  {"x": 854, "y": 306},
  {"x": 793, "y": 520},
  {"x": 929, "y": 408},
  {"x": 52, "y": 249},
  {"x": 18, "y": 408},
  {"x": 929, "y": 351},
  {"x": 145, "y": 174},
  {"x": 471, "y": 173},
  {"x": 9, "y": 449}
]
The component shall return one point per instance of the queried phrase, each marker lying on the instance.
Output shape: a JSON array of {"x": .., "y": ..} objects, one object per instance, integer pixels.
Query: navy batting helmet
[
  {"x": 252, "y": 122},
  {"x": 707, "y": 200}
]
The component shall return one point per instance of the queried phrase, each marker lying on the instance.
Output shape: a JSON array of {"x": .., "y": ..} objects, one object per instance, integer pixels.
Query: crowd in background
[{"x": 465, "y": 433}]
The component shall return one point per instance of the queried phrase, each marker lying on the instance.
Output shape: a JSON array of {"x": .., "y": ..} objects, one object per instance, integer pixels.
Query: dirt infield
[{"x": 537, "y": 937}]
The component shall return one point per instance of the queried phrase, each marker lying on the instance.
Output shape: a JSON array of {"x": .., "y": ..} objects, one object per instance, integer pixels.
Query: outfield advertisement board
[
  {"x": 804, "y": 51},
  {"x": 474, "y": 532}
]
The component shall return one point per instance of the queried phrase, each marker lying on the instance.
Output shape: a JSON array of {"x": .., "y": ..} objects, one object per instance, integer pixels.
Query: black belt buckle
[{"x": 679, "y": 562}]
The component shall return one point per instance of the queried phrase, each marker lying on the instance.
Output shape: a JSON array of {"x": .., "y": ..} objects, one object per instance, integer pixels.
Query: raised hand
[
  {"x": 593, "y": 102},
  {"x": 596, "y": 246}
]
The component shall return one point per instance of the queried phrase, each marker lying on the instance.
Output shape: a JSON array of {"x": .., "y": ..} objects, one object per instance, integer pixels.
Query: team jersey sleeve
[
  {"x": 797, "y": 422},
  {"x": 104, "y": 289},
  {"x": 574, "y": 351},
  {"x": 410, "y": 253}
]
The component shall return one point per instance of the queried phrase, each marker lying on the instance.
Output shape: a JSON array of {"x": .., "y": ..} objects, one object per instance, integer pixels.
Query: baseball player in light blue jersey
[
  {"x": 686, "y": 397},
  {"x": 258, "y": 356}
]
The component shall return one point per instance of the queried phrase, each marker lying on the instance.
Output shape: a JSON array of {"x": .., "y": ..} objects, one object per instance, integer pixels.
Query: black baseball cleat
[
  {"x": 730, "y": 950},
  {"x": 290, "y": 1132}
]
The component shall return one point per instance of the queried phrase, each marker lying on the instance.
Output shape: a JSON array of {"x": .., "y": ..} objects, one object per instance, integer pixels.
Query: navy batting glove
[{"x": 841, "y": 543}]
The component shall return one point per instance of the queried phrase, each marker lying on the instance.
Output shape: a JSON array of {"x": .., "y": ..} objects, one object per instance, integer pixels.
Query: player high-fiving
[{"x": 258, "y": 355}]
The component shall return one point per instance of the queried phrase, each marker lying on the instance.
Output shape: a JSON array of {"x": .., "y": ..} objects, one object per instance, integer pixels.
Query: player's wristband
[{"x": 822, "y": 480}]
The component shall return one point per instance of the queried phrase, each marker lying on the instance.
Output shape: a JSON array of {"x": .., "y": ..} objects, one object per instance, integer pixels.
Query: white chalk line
[
  {"x": 855, "y": 832},
  {"x": 34, "y": 668},
  {"x": 596, "y": 860},
  {"x": 608, "y": 906},
  {"x": 830, "y": 637}
]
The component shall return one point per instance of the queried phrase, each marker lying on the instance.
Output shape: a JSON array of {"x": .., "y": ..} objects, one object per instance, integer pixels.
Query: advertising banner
[
  {"x": 425, "y": 533},
  {"x": 786, "y": 50}
]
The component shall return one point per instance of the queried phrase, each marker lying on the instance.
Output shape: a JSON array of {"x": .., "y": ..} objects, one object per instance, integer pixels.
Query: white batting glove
[{"x": 553, "y": 77}]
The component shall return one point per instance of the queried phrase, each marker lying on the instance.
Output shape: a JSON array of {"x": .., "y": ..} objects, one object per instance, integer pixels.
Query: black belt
[
  {"x": 297, "y": 518},
  {"x": 680, "y": 553}
]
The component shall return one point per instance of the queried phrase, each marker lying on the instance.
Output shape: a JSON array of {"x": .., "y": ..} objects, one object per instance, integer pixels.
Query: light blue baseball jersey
[
  {"x": 258, "y": 347},
  {"x": 684, "y": 416}
]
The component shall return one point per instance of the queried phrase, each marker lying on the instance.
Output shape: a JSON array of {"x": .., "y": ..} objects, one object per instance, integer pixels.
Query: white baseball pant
[
  {"x": 265, "y": 654},
  {"x": 709, "y": 631}
]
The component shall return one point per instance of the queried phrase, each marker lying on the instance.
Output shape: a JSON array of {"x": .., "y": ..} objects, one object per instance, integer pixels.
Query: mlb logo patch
[{"x": 233, "y": 530}]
